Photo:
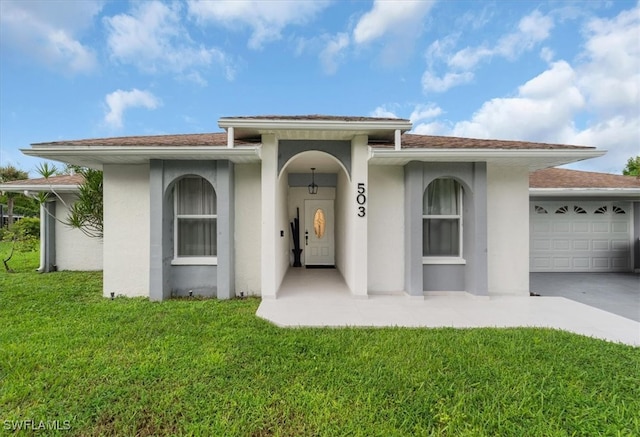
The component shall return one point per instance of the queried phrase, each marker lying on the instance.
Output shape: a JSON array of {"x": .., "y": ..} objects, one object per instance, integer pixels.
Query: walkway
[{"x": 321, "y": 298}]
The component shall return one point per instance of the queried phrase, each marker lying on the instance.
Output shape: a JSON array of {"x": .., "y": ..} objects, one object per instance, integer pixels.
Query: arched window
[
  {"x": 195, "y": 224},
  {"x": 442, "y": 219}
]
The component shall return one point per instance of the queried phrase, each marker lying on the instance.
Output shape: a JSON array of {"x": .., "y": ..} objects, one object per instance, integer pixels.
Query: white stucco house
[
  {"x": 61, "y": 247},
  {"x": 393, "y": 212}
]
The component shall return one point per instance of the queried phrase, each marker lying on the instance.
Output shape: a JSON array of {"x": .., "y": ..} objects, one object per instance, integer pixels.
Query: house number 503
[{"x": 361, "y": 199}]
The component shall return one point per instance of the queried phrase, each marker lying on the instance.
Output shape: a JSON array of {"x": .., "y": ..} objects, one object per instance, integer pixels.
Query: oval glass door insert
[{"x": 319, "y": 223}]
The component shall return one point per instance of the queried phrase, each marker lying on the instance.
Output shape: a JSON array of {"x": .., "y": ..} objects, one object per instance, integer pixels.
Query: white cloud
[
  {"x": 619, "y": 135},
  {"x": 595, "y": 102},
  {"x": 543, "y": 110},
  {"x": 153, "y": 39},
  {"x": 431, "y": 128},
  {"x": 433, "y": 83},
  {"x": 119, "y": 101},
  {"x": 469, "y": 57},
  {"x": 532, "y": 29},
  {"x": 425, "y": 112},
  {"x": 547, "y": 55},
  {"x": 421, "y": 118},
  {"x": 397, "y": 25},
  {"x": 266, "y": 19},
  {"x": 333, "y": 52},
  {"x": 441, "y": 48},
  {"x": 383, "y": 112},
  {"x": 610, "y": 73},
  {"x": 391, "y": 17},
  {"x": 49, "y": 32}
]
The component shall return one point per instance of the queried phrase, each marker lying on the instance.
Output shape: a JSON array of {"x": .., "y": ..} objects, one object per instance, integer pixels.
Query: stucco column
[
  {"x": 477, "y": 281},
  {"x": 359, "y": 214},
  {"x": 508, "y": 230},
  {"x": 269, "y": 178},
  {"x": 226, "y": 278},
  {"x": 413, "y": 192},
  {"x": 157, "y": 274}
]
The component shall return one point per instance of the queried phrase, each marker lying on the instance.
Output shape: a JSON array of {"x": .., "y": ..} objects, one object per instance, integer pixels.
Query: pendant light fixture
[{"x": 313, "y": 187}]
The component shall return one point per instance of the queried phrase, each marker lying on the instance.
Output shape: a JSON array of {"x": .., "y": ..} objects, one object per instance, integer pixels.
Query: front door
[{"x": 319, "y": 233}]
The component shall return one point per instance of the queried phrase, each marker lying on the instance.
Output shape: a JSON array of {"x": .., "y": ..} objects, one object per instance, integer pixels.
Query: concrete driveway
[{"x": 617, "y": 293}]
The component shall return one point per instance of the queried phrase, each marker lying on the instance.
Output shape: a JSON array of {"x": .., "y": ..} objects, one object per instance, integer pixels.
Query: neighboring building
[
  {"x": 61, "y": 247},
  {"x": 584, "y": 221},
  {"x": 394, "y": 212},
  {"x": 4, "y": 217}
]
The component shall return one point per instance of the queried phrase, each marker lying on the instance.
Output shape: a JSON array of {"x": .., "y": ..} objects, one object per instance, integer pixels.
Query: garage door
[{"x": 576, "y": 236}]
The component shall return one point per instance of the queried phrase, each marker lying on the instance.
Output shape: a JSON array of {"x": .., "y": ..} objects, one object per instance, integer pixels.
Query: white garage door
[{"x": 587, "y": 236}]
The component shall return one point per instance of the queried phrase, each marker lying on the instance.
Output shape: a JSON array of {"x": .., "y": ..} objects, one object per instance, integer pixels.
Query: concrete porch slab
[{"x": 321, "y": 299}]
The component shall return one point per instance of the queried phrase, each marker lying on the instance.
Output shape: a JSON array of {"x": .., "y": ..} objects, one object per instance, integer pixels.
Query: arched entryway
[
  {"x": 285, "y": 175},
  {"x": 315, "y": 217}
]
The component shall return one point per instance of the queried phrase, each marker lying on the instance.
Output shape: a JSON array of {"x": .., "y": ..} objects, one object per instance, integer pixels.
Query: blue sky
[{"x": 554, "y": 71}]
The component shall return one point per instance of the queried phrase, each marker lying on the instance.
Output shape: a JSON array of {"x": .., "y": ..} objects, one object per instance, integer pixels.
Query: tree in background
[
  {"x": 633, "y": 167},
  {"x": 86, "y": 213},
  {"x": 11, "y": 173}
]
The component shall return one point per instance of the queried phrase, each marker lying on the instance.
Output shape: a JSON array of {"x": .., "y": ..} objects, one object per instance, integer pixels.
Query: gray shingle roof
[
  {"x": 564, "y": 178},
  {"x": 409, "y": 141},
  {"x": 53, "y": 180}
]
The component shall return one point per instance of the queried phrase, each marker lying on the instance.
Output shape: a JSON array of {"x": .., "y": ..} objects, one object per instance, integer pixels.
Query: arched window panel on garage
[
  {"x": 562, "y": 210},
  {"x": 540, "y": 210},
  {"x": 195, "y": 226},
  {"x": 579, "y": 210},
  {"x": 442, "y": 219},
  {"x": 601, "y": 210},
  {"x": 618, "y": 210}
]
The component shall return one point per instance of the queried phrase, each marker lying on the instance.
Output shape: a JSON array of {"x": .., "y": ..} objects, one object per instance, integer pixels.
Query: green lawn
[{"x": 207, "y": 367}]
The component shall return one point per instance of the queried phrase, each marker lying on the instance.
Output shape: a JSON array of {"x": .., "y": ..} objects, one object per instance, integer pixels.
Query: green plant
[
  {"x": 86, "y": 213},
  {"x": 129, "y": 366},
  {"x": 23, "y": 237},
  {"x": 27, "y": 227}
]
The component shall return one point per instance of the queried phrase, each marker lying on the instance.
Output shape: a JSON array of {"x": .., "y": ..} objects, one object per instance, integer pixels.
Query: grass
[{"x": 207, "y": 367}]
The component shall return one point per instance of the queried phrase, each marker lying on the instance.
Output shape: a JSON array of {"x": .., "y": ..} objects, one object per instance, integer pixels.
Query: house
[
  {"x": 61, "y": 247},
  {"x": 393, "y": 212}
]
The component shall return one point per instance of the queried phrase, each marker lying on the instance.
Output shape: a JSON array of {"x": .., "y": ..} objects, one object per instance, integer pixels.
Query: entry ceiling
[{"x": 322, "y": 162}]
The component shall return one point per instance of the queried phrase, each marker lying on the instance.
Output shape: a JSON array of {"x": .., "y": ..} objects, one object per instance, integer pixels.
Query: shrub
[
  {"x": 25, "y": 232},
  {"x": 28, "y": 227}
]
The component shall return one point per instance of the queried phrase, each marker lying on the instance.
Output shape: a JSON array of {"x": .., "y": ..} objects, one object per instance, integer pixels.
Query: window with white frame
[
  {"x": 195, "y": 224},
  {"x": 442, "y": 219}
]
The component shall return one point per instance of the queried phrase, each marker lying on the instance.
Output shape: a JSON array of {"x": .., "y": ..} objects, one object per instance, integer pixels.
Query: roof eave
[
  {"x": 585, "y": 192},
  {"x": 97, "y": 156},
  {"x": 39, "y": 188},
  {"x": 533, "y": 159},
  {"x": 291, "y": 124}
]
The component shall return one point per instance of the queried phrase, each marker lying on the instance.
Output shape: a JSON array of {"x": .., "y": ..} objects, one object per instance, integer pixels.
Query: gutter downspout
[{"x": 43, "y": 232}]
